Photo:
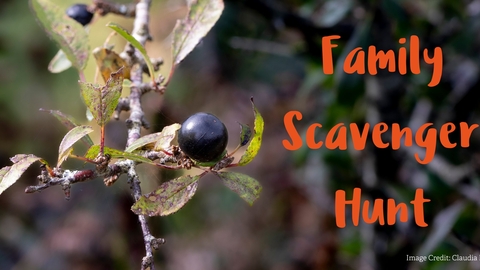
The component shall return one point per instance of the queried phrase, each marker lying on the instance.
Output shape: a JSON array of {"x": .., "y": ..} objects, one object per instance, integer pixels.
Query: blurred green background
[{"x": 270, "y": 50}]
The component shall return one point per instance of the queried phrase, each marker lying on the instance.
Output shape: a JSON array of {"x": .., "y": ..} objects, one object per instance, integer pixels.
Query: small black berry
[
  {"x": 203, "y": 137},
  {"x": 79, "y": 13}
]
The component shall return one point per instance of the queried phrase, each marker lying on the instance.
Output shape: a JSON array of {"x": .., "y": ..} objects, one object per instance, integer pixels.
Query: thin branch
[
  {"x": 123, "y": 105},
  {"x": 66, "y": 178},
  {"x": 103, "y": 7},
  {"x": 147, "y": 87}
]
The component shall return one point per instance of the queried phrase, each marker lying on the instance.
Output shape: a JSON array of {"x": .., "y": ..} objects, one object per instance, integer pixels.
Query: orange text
[
  {"x": 360, "y": 61},
  {"x": 425, "y": 137},
  {"x": 378, "y": 213}
]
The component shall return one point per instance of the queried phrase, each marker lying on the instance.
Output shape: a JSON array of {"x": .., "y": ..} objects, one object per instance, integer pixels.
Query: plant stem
[
  {"x": 147, "y": 261},
  {"x": 136, "y": 121},
  {"x": 102, "y": 138}
]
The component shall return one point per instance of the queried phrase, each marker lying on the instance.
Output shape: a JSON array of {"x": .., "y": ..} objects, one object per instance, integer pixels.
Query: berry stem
[
  {"x": 82, "y": 158},
  {"x": 102, "y": 138}
]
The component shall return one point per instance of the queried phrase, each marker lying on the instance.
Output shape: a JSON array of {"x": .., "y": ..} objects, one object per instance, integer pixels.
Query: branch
[
  {"x": 103, "y": 7},
  {"x": 150, "y": 241},
  {"x": 124, "y": 103},
  {"x": 66, "y": 178},
  {"x": 137, "y": 120}
]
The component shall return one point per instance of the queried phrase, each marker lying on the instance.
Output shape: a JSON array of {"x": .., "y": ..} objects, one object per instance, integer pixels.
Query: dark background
[{"x": 270, "y": 50}]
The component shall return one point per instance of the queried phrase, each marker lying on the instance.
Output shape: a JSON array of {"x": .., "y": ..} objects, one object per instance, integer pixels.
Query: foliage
[
  {"x": 68, "y": 34},
  {"x": 103, "y": 100},
  {"x": 10, "y": 174},
  {"x": 135, "y": 44},
  {"x": 187, "y": 33}
]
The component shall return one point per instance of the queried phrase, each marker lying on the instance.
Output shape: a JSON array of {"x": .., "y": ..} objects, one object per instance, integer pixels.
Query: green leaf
[
  {"x": 59, "y": 63},
  {"x": 102, "y": 101},
  {"x": 92, "y": 153},
  {"x": 10, "y": 175},
  {"x": 69, "y": 122},
  {"x": 256, "y": 142},
  {"x": 245, "y": 134},
  {"x": 202, "y": 16},
  {"x": 162, "y": 139},
  {"x": 69, "y": 34},
  {"x": 74, "y": 135},
  {"x": 168, "y": 198},
  {"x": 245, "y": 186},
  {"x": 120, "y": 30}
]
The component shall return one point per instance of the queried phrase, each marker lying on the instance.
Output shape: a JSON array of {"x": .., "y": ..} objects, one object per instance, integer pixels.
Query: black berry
[
  {"x": 79, "y": 13},
  {"x": 203, "y": 137}
]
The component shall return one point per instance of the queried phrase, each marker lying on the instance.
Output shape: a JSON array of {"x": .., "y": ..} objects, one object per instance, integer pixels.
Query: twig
[
  {"x": 123, "y": 105},
  {"x": 66, "y": 178}
]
